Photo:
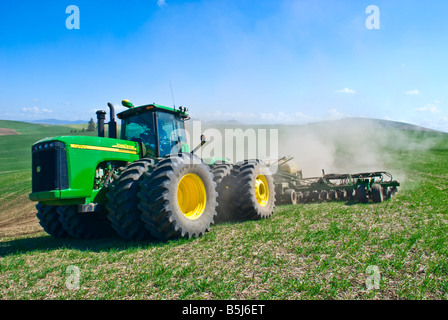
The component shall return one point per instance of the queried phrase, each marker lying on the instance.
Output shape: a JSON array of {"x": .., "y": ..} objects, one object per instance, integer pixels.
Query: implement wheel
[
  {"x": 254, "y": 195},
  {"x": 178, "y": 199},
  {"x": 377, "y": 193},
  {"x": 361, "y": 194},
  {"x": 290, "y": 196}
]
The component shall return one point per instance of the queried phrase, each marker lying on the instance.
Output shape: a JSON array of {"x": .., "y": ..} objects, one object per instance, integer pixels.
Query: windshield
[
  {"x": 171, "y": 133},
  {"x": 140, "y": 128}
]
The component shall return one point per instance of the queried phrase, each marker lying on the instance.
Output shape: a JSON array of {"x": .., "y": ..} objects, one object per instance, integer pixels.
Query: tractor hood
[
  {"x": 63, "y": 168},
  {"x": 91, "y": 143}
]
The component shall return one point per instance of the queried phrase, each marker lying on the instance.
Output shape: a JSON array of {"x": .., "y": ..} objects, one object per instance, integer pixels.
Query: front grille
[{"x": 49, "y": 165}]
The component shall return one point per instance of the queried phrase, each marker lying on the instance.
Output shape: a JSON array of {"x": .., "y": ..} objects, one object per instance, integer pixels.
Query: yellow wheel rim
[
  {"x": 191, "y": 196},
  {"x": 261, "y": 190}
]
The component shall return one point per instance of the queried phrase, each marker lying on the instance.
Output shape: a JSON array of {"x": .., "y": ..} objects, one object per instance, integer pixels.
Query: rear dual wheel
[
  {"x": 253, "y": 196},
  {"x": 225, "y": 182}
]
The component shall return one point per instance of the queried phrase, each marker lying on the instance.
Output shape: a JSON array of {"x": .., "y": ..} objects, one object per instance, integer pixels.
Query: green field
[{"x": 306, "y": 251}]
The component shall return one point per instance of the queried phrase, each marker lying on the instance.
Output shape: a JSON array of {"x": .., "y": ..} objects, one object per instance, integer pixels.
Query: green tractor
[{"x": 145, "y": 184}]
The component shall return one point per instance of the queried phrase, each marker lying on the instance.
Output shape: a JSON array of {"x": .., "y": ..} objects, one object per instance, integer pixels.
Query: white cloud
[
  {"x": 161, "y": 3},
  {"x": 345, "y": 90},
  {"x": 36, "y": 110},
  {"x": 31, "y": 110},
  {"x": 413, "y": 92},
  {"x": 431, "y": 108},
  {"x": 334, "y": 114}
]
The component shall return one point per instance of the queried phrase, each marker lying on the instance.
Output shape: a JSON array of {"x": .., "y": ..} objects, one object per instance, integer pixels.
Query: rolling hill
[{"x": 57, "y": 122}]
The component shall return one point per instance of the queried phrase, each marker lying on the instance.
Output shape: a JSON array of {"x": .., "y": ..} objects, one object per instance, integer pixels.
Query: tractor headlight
[{"x": 47, "y": 145}]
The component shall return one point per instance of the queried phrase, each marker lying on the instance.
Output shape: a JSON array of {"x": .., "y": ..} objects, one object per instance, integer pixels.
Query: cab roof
[{"x": 152, "y": 107}]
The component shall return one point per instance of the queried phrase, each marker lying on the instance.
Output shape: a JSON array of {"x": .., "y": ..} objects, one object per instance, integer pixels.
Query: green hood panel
[
  {"x": 84, "y": 155},
  {"x": 97, "y": 144}
]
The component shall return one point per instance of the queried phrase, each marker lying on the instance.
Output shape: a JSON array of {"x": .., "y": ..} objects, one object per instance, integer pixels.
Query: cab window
[
  {"x": 141, "y": 128},
  {"x": 171, "y": 131}
]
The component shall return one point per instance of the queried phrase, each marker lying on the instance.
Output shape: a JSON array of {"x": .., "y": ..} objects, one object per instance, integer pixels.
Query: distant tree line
[{"x": 91, "y": 126}]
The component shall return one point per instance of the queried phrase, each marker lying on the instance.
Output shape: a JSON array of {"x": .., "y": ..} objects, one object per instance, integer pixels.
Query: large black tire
[
  {"x": 87, "y": 225},
  {"x": 178, "y": 199},
  {"x": 122, "y": 201},
  {"x": 253, "y": 197},
  {"x": 376, "y": 193},
  {"x": 49, "y": 220},
  {"x": 225, "y": 181}
]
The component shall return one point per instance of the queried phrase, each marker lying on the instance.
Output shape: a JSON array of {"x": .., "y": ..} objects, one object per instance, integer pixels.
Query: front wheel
[
  {"x": 84, "y": 225},
  {"x": 49, "y": 220},
  {"x": 178, "y": 199},
  {"x": 122, "y": 201}
]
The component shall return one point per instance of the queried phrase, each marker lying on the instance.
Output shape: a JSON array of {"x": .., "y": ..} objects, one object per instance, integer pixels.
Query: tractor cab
[{"x": 159, "y": 130}]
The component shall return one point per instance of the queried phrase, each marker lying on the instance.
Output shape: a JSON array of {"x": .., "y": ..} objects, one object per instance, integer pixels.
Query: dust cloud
[{"x": 350, "y": 145}]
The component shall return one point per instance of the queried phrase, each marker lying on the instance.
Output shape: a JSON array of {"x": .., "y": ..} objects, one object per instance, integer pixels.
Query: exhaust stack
[
  {"x": 112, "y": 123},
  {"x": 101, "y": 116}
]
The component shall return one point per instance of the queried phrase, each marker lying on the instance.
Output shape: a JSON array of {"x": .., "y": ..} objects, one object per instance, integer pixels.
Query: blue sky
[{"x": 291, "y": 61}]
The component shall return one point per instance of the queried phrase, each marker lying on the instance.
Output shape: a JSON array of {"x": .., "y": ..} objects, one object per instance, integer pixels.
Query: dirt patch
[
  {"x": 18, "y": 217},
  {"x": 8, "y": 132}
]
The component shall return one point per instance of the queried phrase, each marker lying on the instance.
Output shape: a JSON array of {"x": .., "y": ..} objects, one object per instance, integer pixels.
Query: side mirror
[{"x": 199, "y": 145}]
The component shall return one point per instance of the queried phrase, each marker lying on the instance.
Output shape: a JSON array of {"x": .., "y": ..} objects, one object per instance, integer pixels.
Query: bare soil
[
  {"x": 18, "y": 217},
  {"x": 8, "y": 132}
]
